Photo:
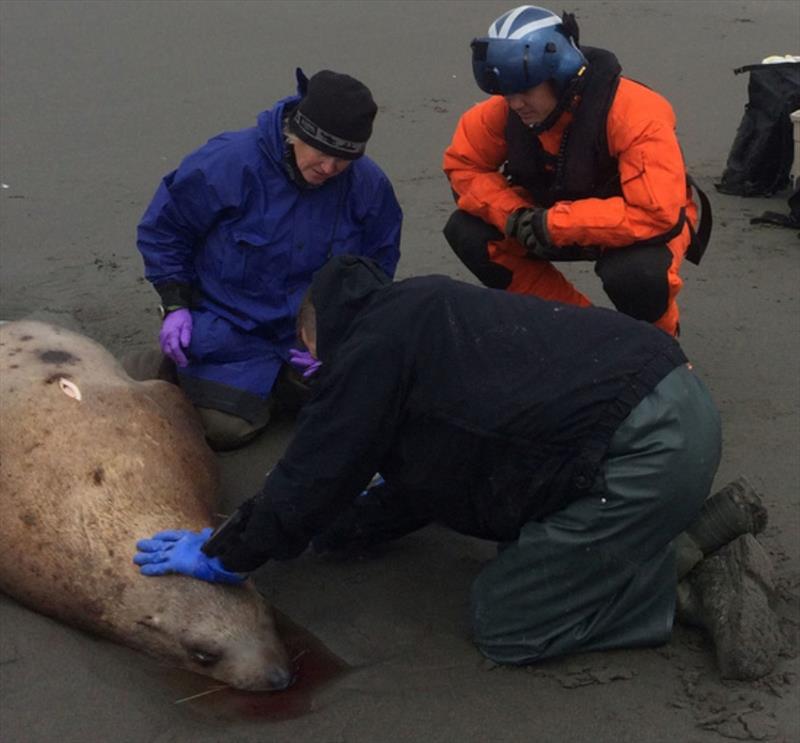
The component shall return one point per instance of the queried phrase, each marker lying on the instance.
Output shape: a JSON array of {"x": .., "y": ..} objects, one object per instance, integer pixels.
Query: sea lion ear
[
  {"x": 150, "y": 622},
  {"x": 70, "y": 389}
]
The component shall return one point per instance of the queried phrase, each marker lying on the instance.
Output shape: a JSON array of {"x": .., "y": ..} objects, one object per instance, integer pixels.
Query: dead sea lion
[{"x": 91, "y": 461}]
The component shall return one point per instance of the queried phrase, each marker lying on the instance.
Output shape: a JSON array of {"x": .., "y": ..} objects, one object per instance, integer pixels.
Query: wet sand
[{"x": 99, "y": 100}]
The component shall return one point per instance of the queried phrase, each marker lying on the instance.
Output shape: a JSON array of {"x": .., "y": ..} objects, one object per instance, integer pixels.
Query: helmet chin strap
[{"x": 565, "y": 103}]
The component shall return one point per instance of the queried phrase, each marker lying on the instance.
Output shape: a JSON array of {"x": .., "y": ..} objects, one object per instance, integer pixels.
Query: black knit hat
[{"x": 335, "y": 115}]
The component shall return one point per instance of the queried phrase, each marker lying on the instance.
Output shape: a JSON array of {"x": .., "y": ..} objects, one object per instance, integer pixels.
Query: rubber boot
[
  {"x": 687, "y": 554},
  {"x": 729, "y": 594},
  {"x": 732, "y": 511}
]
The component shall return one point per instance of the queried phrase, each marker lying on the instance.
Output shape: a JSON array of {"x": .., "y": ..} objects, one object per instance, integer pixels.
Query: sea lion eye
[{"x": 203, "y": 657}]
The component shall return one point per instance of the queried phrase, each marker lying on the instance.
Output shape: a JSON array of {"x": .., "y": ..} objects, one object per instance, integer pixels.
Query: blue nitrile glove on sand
[{"x": 179, "y": 551}]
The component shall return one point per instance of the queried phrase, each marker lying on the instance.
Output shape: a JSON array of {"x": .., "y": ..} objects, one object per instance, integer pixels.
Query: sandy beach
[{"x": 99, "y": 100}]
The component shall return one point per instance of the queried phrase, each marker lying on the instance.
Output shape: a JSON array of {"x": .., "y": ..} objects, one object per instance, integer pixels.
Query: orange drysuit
[{"x": 640, "y": 128}]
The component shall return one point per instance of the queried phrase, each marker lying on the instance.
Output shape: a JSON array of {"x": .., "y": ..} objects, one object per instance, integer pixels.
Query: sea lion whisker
[
  {"x": 299, "y": 655},
  {"x": 212, "y": 690}
]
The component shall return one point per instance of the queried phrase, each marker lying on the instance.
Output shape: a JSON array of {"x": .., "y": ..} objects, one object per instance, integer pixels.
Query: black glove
[
  {"x": 228, "y": 539},
  {"x": 529, "y": 227}
]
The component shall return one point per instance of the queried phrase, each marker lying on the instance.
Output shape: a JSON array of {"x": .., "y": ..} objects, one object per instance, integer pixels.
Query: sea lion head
[{"x": 226, "y": 632}]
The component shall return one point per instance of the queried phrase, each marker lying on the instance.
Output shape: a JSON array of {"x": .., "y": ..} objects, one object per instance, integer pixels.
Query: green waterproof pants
[{"x": 600, "y": 573}]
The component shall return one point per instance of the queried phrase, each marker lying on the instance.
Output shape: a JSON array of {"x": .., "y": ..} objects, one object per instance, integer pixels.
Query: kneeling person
[
  {"x": 233, "y": 236},
  {"x": 580, "y": 438}
]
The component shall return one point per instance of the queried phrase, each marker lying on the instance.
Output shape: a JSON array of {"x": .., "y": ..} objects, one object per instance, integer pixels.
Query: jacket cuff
[
  {"x": 258, "y": 537},
  {"x": 510, "y": 229},
  {"x": 227, "y": 544},
  {"x": 539, "y": 225},
  {"x": 242, "y": 560},
  {"x": 174, "y": 295}
]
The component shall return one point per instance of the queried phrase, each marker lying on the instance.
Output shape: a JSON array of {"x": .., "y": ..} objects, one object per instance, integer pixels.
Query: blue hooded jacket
[{"x": 233, "y": 226}]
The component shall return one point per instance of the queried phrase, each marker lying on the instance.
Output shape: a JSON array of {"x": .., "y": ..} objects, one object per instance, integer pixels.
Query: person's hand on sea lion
[{"x": 179, "y": 551}]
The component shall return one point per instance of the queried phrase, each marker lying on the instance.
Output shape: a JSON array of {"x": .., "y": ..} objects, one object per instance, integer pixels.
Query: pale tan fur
[{"x": 82, "y": 479}]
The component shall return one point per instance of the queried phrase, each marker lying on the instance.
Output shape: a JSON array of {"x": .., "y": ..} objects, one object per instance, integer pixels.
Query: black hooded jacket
[{"x": 482, "y": 409}]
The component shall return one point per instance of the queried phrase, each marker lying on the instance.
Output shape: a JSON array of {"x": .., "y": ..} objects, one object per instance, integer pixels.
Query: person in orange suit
[{"x": 570, "y": 161}]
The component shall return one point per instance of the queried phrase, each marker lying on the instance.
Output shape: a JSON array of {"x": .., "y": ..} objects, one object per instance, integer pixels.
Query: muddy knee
[
  {"x": 225, "y": 431},
  {"x": 496, "y": 625}
]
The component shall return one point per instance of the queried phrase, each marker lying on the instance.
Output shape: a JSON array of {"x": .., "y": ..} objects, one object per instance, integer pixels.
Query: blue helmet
[{"x": 525, "y": 47}]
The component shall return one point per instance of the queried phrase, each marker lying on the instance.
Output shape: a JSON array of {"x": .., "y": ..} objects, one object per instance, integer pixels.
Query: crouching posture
[
  {"x": 580, "y": 440},
  {"x": 570, "y": 161}
]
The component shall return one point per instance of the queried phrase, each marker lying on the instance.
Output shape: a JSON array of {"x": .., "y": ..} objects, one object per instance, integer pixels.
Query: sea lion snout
[{"x": 280, "y": 679}]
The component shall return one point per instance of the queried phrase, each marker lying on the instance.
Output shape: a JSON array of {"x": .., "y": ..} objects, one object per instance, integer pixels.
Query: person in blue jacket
[{"x": 232, "y": 237}]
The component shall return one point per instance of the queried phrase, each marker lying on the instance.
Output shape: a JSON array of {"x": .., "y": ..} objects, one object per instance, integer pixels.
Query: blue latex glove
[
  {"x": 176, "y": 334},
  {"x": 304, "y": 362},
  {"x": 178, "y": 551}
]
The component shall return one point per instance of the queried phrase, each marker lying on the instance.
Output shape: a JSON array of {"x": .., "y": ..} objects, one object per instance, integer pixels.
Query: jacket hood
[
  {"x": 270, "y": 122},
  {"x": 340, "y": 290}
]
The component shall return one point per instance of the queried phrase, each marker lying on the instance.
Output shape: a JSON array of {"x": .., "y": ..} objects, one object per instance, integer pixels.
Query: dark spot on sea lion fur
[
  {"x": 98, "y": 476},
  {"x": 58, "y": 357},
  {"x": 55, "y": 377}
]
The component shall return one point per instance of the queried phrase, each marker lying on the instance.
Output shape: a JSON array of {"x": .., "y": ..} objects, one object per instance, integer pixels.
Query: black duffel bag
[{"x": 762, "y": 152}]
